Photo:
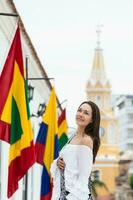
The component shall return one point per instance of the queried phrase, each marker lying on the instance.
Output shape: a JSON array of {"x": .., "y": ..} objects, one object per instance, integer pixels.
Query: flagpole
[
  {"x": 62, "y": 103},
  {"x": 9, "y": 14},
  {"x": 26, "y": 176}
]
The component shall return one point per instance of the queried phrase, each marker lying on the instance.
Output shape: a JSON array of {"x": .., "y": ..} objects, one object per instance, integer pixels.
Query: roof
[{"x": 24, "y": 32}]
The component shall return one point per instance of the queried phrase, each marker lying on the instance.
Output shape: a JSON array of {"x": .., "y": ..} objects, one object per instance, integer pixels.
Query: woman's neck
[{"x": 80, "y": 131}]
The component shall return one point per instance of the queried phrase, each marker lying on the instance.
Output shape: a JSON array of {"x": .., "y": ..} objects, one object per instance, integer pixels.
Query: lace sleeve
[{"x": 54, "y": 169}]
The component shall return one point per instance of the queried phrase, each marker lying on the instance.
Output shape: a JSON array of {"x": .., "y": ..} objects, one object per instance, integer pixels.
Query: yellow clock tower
[{"x": 98, "y": 89}]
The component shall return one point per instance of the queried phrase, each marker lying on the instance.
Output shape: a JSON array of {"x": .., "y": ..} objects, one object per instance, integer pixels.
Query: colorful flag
[
  {"x": 47, "y": 145},
  {"x": 62, "y": 129},
  {"x": 15, "y": 125}
]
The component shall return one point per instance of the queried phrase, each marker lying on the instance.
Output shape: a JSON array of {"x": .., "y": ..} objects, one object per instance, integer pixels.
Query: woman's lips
[{"x": 79, "y": 119}]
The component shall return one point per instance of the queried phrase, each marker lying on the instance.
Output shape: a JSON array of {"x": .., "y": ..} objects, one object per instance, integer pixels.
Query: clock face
[{"x": 102, "y": 131}]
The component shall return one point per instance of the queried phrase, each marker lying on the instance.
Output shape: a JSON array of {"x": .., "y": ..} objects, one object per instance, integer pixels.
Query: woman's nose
[{"x": 80, "y": 114}]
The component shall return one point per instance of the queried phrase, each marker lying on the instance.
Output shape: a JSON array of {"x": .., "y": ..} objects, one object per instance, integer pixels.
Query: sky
[{"x": 64, "y": 36}]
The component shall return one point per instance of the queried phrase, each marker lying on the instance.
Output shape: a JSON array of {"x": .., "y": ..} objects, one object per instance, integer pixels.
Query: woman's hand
[{"x": 60, "y": 163}]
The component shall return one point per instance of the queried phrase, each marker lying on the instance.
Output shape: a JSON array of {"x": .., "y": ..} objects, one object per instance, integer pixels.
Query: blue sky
[{"x": 64, "y": 35}]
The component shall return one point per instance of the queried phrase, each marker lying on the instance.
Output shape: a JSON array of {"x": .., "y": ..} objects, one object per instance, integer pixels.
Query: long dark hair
[{"x": 92, "y": 129}]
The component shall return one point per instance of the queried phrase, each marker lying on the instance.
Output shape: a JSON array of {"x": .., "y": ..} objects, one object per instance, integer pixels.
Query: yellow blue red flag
[{"x": 47, "y": 145}]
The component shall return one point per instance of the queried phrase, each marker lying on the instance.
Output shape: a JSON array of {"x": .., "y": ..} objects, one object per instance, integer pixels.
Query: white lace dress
[{"x": 79, "y": 161}]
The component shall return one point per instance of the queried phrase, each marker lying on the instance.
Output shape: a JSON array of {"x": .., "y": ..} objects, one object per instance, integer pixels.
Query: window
[
  {"x": 131, "y": 167},
  {"x": 96, "y": 175},
  {"x": 112, "y": 134},
  {"x": 102, "y": 132},
  {"x": 130, "y": 117},
  {"x": 130, "y": 133},
  {"x": 130, "y": 146},
  {"x": 121, "y": 105},
  {"x": 98, "y": 100}
]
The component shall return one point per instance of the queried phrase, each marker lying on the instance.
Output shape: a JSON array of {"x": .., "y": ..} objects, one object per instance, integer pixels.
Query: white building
[
  {"x": 124, "y": 105},
  {"x": 41, "y": 95}
]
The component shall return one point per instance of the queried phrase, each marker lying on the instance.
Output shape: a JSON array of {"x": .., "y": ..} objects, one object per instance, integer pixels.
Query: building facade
[
  {"x": 98, "y": 89},
  {"x": 124, "y": 111},
  {"x": 29, "y": 188}
]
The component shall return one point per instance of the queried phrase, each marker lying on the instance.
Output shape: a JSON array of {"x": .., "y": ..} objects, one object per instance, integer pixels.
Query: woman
[{"x": 77, "y": 156}]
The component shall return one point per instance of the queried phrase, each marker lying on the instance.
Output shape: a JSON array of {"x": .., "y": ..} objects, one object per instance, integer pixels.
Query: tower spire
[
  {"x": 98, "y": 86},
  {"x": 98, "y": 74},
  {"x": 99, "y": 31}
]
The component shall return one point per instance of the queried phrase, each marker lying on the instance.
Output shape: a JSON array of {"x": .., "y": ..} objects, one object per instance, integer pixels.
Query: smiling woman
[
  {"x": 71, "y": 170},
  {"x": 84, "y": 115}
]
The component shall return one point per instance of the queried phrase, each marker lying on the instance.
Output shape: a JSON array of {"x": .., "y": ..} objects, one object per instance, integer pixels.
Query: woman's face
[{"x": 84, "y": 115}]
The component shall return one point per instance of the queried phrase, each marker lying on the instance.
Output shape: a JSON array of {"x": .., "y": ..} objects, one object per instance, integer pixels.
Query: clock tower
[{"x": 98, "y": 90}]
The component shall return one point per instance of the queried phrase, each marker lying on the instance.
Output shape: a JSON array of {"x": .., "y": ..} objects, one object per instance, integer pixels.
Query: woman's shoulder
[{"x": 87, "y": 141}]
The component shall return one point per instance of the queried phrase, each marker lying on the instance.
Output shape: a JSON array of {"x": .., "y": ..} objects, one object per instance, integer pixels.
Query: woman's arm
[{"x": 58, "y": 164}]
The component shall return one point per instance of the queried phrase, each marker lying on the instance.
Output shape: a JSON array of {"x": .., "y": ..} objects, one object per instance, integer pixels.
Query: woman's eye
[{"x": 86, "y": 113}]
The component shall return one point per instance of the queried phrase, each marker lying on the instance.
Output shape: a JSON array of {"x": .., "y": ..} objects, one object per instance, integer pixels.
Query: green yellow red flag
[
  {"x": 62, "y": 129},
  {"x": 15, "y": 124}
]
